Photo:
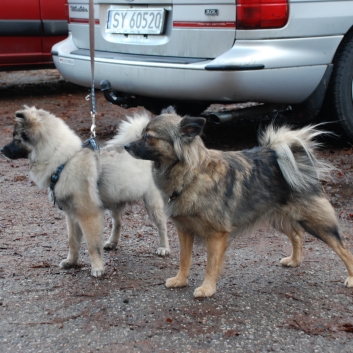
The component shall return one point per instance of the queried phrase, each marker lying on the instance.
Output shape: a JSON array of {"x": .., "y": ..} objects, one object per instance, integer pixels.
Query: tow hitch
[{"x": 123, "y": 100}]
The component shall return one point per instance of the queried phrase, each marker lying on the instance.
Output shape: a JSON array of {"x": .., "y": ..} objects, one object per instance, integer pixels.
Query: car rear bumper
[{"x": 277, "y": 71}]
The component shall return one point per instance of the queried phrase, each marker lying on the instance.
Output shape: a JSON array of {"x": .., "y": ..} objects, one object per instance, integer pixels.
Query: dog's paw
[
  {"x": 204, "y": 291},
  {"x": 109, "y": 246},
  {"x": 290, "y": 262},
  {"x": 65, "y": 264},
  {"x": 95, "y": 272},
  {"x": 349, "y": 282},
  {"x": 163, "y": 251},
  {"x": 175, "y": 282}
]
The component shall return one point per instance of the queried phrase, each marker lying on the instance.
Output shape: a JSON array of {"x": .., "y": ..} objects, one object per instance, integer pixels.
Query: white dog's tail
[
  {"x": 296, "y": 158},
  {"x": 130, "y": 129}
]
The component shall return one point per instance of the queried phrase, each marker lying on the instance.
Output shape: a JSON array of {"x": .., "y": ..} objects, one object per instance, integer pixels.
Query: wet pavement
[{"x": 259, "y": 306}]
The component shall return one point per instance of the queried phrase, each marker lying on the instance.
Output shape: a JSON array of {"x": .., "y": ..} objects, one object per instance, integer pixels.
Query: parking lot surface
[{"x": 259, "y": 306}]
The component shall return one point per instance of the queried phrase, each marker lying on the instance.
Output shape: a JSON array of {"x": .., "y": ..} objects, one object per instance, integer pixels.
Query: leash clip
[{"x": 91, "y": 144}]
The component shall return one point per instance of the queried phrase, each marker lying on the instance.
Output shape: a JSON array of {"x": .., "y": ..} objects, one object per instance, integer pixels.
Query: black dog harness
[
  {"x": 91, "y": 144},
  {"x": 53, "y": 180}
]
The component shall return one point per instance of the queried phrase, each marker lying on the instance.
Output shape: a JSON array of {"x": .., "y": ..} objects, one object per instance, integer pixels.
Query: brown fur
[{"x": 218, "y": 195}]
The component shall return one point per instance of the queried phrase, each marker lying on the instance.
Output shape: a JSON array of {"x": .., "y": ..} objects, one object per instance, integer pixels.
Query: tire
[{"x": 338, "y": 103}]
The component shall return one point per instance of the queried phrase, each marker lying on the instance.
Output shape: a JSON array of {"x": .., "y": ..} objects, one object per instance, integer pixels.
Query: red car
[{"x": 28, "y": 30}]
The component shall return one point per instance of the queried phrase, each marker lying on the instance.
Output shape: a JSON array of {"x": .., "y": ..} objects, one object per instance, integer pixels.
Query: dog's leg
[
  {"x": 332, "y": 238},
  {"x": 342, "y": 251},
  {"x": 216, "y": 247},
  {"x": 114, "y": 238},
  {"x": 92, "y": 227},
  {"x": 154, "y": 207},
  {"x": 75, "y": 237},
  {"x": 181, "y": 279},
  {"x": 321, "y": 222},
  {"x": 295, "y": 258}
]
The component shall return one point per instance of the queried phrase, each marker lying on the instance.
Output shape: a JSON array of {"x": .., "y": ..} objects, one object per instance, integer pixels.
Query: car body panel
[
  {"x": 206, "y": 63},
  {"x": 182, "y": 26},
  {"x": 142, "y": 78},
  {"x": 28, "y": 30},
  {"x": 280, "y": 53},
  {"x": 309, "y": 18}
]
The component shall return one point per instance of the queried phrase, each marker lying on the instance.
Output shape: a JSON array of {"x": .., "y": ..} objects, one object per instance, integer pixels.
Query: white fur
[
  {"x": 302, "y": 169},
  {"x": 131, "y": 129},
  {"x": 91, "y": 180},
  {"x": 56, "y": 144}
]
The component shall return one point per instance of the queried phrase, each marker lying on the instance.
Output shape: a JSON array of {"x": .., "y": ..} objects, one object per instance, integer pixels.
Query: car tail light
[{"x": 260, "y": 14}]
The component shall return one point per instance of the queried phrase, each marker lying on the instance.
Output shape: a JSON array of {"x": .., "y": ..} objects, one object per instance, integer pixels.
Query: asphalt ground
[{"x": 259, "y": 306}]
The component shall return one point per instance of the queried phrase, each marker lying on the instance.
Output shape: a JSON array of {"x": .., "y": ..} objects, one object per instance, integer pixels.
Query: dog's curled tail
[
  {"x": 296, "y": 155},
  {"x": 130, "y": 129}
]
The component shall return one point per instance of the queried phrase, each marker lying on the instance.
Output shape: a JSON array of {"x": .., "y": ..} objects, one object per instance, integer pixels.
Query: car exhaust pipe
[{"x": 225, "y": 117}]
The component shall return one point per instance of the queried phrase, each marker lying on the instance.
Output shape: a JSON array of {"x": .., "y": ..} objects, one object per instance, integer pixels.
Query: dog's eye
[
  {"x": 148, "y": 137},
  {"x": 24, "y": 137}
]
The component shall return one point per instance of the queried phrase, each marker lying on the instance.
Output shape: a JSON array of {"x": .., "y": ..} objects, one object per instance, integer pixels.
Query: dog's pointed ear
[
  {"x": 169, "y": 110},
  {"x": 191, "y": 127},
  {"x": 20, "y": 117}
]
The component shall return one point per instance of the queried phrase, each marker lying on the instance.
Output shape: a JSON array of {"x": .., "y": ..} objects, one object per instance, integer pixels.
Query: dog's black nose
[{"x": 127, "y": 147}]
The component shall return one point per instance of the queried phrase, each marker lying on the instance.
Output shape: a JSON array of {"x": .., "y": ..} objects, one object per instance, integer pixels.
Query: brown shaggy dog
[{"x": 219, "y": 195}]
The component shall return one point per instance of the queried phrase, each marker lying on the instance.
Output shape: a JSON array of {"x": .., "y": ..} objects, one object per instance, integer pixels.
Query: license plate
[{"x": 142, "y": 21}]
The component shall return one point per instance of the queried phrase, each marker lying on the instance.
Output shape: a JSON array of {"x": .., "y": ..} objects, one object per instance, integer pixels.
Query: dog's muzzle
[
  {"x": 11, "y": 151},
  {"x": 4, "y": 152}
]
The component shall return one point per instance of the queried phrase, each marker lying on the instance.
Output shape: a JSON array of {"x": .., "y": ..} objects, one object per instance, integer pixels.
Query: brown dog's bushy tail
[
  {"x": 296, "y": 155},
  {"x": 130, "y": 129}
]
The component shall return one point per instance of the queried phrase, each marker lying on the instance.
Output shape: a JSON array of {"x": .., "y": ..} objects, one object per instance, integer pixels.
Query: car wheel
[{"x": 339, "y": 99}]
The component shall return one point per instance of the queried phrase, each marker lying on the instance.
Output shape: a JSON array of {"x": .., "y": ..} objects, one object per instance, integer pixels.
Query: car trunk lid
[{"x": 178, "y": 28}]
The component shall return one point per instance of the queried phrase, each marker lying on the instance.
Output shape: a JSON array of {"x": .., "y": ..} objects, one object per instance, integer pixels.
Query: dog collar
[
  {"x": 173, "y": 196},
  {"x": 55, "y": 177}
]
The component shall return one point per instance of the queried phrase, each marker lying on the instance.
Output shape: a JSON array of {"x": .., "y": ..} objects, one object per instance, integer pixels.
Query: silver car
[{"x": 276, "y": 52}]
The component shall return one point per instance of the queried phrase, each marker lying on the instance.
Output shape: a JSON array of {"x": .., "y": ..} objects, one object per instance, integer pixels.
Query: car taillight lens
[{"x": 260, "y": 14}]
